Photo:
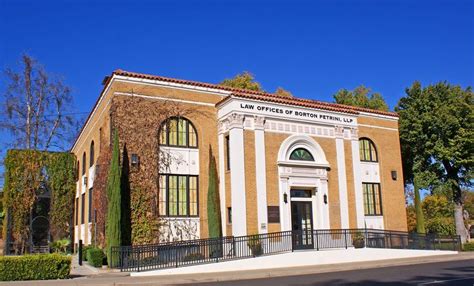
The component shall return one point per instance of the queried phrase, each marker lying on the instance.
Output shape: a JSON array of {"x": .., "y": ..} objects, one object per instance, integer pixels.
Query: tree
[
  {"x": 245, "y": 80},
  {"x": 36, "y": 109},
  {"x": 114, "y": 202},
  {"x": 361, "y": 96},
  {"x": 280, "y": 91},
  {"x": 439, "y": 215},
  {"x": 213, "y": 202},
  {"x": 126, "y": 220},
  {"x": 437, "y": 131}
]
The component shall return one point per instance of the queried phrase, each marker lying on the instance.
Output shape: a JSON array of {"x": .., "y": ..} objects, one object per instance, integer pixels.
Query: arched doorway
[
  {"x": 302, "y": 168},
  {"x": 40, "y": 234}
]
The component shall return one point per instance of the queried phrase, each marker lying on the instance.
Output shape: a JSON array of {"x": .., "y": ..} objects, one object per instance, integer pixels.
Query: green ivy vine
[{"x": 27, "y": 174}]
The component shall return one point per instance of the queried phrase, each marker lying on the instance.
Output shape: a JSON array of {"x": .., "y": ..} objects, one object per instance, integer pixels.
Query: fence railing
[{"x": 211, "y": 250}]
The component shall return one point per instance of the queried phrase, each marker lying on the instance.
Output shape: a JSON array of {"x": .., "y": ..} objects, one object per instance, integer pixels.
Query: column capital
[
  {"x": 354, "y": 134},
  {"x": 235, "y": 120},
  {"x": 259, "y": 122},
  {"x": 339, "y": 131}
]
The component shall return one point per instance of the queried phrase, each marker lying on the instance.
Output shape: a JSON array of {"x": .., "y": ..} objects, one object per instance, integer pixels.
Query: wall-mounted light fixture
[
  {"x": 285, "y": 198},
  {"x": 325, "y": 197},
  {"x": 394, "y": 175},
  {"x": 135, "y": 160}
]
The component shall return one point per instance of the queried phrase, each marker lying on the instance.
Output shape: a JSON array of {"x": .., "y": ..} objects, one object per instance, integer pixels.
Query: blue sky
[{"x": 311, "y": 48}]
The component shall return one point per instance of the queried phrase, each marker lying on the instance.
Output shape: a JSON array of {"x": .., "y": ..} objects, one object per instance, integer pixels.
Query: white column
[
  {"x": 341, "y": 174},
  {"x": 359, "y": 197},
  {"x": 324, "y": 206},
  {"x": 221, "y": 144},
  {"x": 261, "y": 174},
  {"x": 237, "y": 174},
  {"x": 285, "y": 208}
]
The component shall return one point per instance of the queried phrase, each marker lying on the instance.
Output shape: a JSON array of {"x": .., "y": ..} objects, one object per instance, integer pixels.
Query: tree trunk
[
  {"x": 459, "y": 220},
  {"x": 420, "y": 219}
]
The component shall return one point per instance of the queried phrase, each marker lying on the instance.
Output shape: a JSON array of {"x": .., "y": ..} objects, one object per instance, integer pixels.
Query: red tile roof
[{"x": 258, "y": 95}]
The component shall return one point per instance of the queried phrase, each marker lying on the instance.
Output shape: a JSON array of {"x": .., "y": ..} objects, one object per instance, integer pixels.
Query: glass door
[{"x": 302, "y": 224}]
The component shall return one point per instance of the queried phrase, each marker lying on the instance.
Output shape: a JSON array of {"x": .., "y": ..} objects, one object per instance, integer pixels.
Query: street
[{"x": 441, "y": 273}]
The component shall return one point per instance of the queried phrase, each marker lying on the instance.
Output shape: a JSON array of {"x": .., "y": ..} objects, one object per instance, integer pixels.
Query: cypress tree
[
  {"x": 125, "y": 190},
  {"x": 213, "y": 202},
  {"x": 113, "y": 222}
]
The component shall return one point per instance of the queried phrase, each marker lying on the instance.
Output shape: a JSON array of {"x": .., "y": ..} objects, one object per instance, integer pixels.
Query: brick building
[{"x": 283, "y": 163}]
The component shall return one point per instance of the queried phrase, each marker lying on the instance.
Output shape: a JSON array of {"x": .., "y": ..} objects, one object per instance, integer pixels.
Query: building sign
[
  {"x": 298, "y": 114},
  {"x": 273, "y": 214}
]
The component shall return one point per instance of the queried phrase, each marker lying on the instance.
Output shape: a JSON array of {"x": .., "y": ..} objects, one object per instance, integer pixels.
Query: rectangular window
[
  {"x": 90, "y": 205},
  {"x": 162, "y": 196},
  {"x": 229, "y": 215},
  {"x": 178, "y": 195},
  {"x": 227, "y": 152},
  {"x": 77, "y": 211},
  {"x": 372, "y": 199},
  {"x": 83, "y": 207}
]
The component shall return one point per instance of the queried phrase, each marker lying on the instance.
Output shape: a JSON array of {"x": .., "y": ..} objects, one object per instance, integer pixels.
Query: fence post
[
  {"x": 345, "y": 237},
  {"x": 80, "y": 252},
  {"x": 317, "y": 240},
  {"x": 390, "y": 238},
  {"x": 176, "y": 256},
  {"x": 138, "y": 259}
]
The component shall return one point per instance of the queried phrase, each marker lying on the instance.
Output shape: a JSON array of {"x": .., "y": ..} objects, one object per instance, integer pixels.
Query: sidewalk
[
  {"x": 123, "y": 279},
  {"x": 298, "y": 259}
]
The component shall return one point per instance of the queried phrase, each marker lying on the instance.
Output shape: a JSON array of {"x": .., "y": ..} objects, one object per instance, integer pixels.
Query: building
[{"x": 283, "y": 163}]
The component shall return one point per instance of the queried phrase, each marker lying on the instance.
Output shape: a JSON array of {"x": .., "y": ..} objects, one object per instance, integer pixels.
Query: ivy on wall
[
  {"x": 29, "y": 173},
  {"x": 61, "y": 173}
]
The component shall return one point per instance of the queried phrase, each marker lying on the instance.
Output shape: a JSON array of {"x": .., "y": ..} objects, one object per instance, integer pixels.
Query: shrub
[
  {"x": 469, "y": 246},
  {"x": 193, "y": 256},
  {"x": 60, "y": 245},
  {"x": 95, "y": 257},
  {"x": 255, "y": 245},
  {"x": 85, "y": 248},
  {"x": 34, "y": 267},
  {"x": 358, "y": 240}
]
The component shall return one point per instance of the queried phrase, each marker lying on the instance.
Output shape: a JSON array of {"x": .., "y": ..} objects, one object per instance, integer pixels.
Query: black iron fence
[{"x": 211, "y": 250}]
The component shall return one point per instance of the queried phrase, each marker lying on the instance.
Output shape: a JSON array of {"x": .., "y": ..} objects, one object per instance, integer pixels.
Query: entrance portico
[{"x": 303, "y": 174}]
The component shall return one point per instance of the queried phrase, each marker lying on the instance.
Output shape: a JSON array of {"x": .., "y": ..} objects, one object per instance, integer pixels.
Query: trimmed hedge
[
  {"x": 95, "y": 257},
  {"x": 34, "y": 267},
  {"x": 468, "y": 246}
]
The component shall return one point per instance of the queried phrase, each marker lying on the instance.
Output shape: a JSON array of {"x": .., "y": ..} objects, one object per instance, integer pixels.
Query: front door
[{"x": 302, "y": 224}]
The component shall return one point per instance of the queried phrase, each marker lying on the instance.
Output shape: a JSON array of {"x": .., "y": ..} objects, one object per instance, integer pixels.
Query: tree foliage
[
  {"x": 245, "y": 80},
  {"x": 437, "y": 138},
  {"x": 213, "y": 201},
  {"x": 280, "y": 91},
  {"x": 114, "y": 202},
  {"x": 361, "y": 96}
]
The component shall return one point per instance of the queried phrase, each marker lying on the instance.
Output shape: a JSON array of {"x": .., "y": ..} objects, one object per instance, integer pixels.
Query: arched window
[
  {"x": 301, "y": 154},
  {"x": 91, "y": 154},
  {"x": 84, "y": 163},
  {"x": 178, "y": 132},
  {"x": 368, "y": 153}
]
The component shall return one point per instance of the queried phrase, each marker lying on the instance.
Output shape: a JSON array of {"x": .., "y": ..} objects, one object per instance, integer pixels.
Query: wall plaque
[{"x": 273, "y": 214}]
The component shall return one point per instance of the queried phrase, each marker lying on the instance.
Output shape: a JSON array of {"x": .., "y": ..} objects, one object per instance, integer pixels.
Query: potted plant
[
  {"x": 358, "y": 240},
  {"x": 255, "y": 245}
]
